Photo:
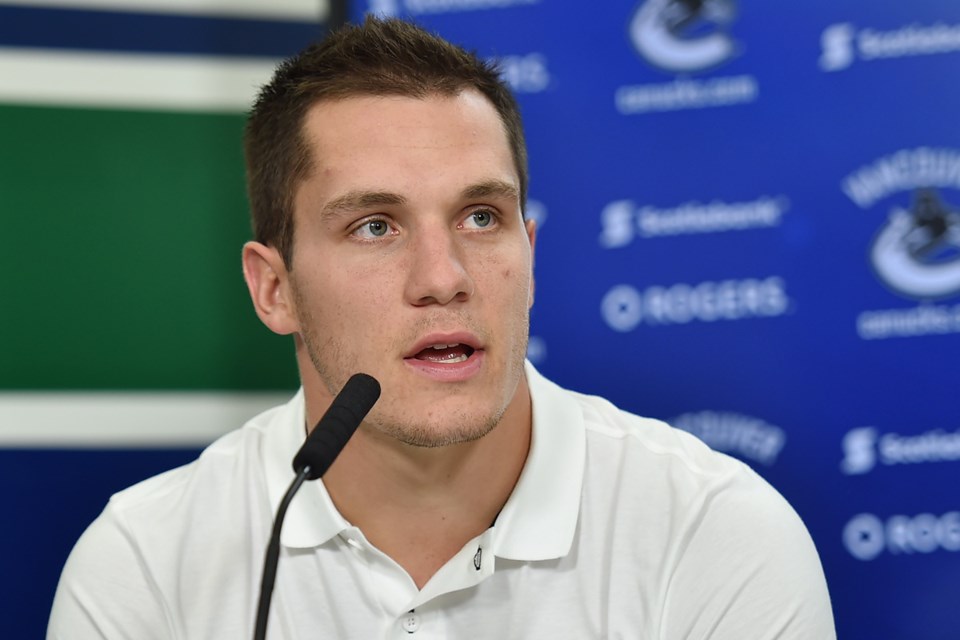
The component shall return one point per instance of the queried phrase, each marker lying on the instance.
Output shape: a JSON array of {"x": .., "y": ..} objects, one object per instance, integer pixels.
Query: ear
[
  {"x": 269, "y": 286},
  {"x": 531, "y": 226}
]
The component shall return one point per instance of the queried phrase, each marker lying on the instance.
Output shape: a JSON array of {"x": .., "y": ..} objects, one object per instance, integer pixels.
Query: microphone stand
[
  {"x": 318, "y": 452},
  {"x": 272, "y": 557}
]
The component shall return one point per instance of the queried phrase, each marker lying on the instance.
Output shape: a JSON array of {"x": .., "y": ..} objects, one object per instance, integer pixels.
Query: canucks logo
[
  {"x": 917, "y": 252},
  {"x": 683, "y": 35}
]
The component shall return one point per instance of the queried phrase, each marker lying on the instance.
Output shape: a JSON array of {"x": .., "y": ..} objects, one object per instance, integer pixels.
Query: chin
[{"x": 457, "y": 427}]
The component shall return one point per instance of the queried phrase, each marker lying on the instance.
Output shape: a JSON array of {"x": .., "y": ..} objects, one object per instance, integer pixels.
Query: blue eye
[
  {"x": 482, "y": 218},
  {"x": 377, "y": 228}
]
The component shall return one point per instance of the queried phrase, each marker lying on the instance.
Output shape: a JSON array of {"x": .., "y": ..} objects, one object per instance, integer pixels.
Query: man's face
[{"x": 412, "y": 262}]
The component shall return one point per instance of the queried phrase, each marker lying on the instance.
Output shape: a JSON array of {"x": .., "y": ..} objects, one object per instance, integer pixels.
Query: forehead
[{"x": 370, "y": 131}]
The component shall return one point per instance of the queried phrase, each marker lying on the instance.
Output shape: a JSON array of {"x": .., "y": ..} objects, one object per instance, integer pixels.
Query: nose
[{"x": 438, "y": 271}]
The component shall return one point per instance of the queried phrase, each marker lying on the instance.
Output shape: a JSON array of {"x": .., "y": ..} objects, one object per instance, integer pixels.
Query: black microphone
[
  {"x": 336, "y": 426},
  {"x": 315, "y": 456}
]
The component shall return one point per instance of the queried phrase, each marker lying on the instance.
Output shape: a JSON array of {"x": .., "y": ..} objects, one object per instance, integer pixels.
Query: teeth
[{"x": 444, "y": 346}]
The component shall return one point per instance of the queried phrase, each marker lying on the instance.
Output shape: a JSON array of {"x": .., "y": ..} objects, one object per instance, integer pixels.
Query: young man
[{"x": 387, "y": 175}]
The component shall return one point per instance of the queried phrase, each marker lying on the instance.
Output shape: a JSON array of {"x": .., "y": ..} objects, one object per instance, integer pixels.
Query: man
[{"x": 387, "y": 175}]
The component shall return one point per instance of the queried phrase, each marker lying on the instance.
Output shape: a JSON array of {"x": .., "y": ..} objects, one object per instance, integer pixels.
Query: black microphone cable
[{"x": 318, "y": 452}]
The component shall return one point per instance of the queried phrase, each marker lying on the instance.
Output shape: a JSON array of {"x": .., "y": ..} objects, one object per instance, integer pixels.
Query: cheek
[{"x": 335, "y": 301}]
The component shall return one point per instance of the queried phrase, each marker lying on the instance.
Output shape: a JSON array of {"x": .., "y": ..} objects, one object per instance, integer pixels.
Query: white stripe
[
  {"x": 131, "y": 81},
  {"x": 118, "y": 419},
  {"x": 305, "y": 10}
]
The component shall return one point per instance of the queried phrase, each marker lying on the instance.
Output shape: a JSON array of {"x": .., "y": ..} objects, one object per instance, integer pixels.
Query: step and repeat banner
[{"x": 749, "y": 226}]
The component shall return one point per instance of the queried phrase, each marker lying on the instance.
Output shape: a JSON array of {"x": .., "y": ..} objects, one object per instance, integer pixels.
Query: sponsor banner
[
  {"x": 685, "y": 38},
  {"x": 915, "y": 251},
  {"x": 868, "y": 536},
  {"x": 844, "y": 43},
  {"x": 686, "y": 94},
  {"x": 909, "y": 322},
  {"x": 903, "y": 171},
  {"x": 623, "y": 220},
  {"x": 866, "y": 447},
  {"x": 747, "y": 437},
  {"x": 624, "y": 308},
  {"x": 525, "y": 73}
]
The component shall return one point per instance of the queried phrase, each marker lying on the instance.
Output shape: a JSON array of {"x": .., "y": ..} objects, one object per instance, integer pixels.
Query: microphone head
[{"x": 334, "y": 429}]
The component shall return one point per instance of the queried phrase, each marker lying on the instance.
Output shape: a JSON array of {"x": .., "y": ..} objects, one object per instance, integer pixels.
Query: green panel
[{"x": 121, "y": 254}]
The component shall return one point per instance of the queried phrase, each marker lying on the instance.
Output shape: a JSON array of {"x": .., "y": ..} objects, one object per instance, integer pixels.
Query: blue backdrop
[{"x": 750, "y": 228}]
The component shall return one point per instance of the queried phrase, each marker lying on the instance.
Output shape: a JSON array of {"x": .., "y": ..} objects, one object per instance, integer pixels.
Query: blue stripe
[{"x": 153, "y": 33}]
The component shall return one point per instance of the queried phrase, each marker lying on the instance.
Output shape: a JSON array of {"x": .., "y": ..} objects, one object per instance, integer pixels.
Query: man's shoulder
[
  {"x": 145, "y": 547},
  {"x": 634, "y": 460},
  {"x": 611, "y": 430},
  {"x": 620, "y": 442},
  {"x": 225, "y": 469},
  {"x": 733, "y": 552}
]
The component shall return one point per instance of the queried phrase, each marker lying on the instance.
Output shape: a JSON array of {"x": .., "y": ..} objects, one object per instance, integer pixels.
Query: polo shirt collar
[
  {"x": 539, "y": 520},
  {"x": 312, "y": 519}
]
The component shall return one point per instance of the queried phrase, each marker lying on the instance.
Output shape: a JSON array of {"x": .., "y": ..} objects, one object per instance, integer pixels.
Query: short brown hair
[{"x": 378, "y": 57}]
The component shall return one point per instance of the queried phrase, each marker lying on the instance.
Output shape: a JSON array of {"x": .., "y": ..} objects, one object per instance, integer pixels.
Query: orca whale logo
[
  {"x": 683, "y": 35},
  {"x": 917, "y": 252}
]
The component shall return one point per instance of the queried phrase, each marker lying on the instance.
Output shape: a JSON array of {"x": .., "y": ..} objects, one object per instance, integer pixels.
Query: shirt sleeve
[
  {"x": 748, "y": 569},
  {"x": 105, "y": 591}
]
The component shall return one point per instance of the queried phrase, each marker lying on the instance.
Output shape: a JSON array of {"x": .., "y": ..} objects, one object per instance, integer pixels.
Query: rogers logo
[
  {"x": 866, "y": 536},
  {"x": 624, "y": 307}
]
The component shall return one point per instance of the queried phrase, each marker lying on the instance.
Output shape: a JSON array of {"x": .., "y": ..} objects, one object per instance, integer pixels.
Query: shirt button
[{"x": 410, "y": 622}]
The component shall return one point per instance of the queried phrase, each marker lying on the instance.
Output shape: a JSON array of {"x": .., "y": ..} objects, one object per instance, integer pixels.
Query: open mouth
[{"x": 445, "y": 353}]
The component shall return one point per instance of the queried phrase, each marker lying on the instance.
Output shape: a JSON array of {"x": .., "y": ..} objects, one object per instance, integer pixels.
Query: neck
[{"x": 421, "y": 505}]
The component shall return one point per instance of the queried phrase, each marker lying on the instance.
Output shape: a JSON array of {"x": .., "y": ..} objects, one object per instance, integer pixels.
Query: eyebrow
[
  {"x": 492, "y": 188},
  {"x": 362, "y": 199},
  {"x": 359, "y": 200}
]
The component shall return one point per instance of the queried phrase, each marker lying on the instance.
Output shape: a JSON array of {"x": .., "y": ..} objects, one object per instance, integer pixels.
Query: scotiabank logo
[
  {"x": 865, "y": 447},
  {"x": 867, "y": 536},
  {"x": 842, "y": 44}
]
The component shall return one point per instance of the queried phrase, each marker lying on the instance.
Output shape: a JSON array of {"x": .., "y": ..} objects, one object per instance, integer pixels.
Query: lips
[
  {"x": 445, "y": 353},
  {"x": 447, "y": 356}
]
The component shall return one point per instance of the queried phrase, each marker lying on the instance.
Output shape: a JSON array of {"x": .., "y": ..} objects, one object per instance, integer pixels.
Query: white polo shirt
[{"x": 619, "y": 527}]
